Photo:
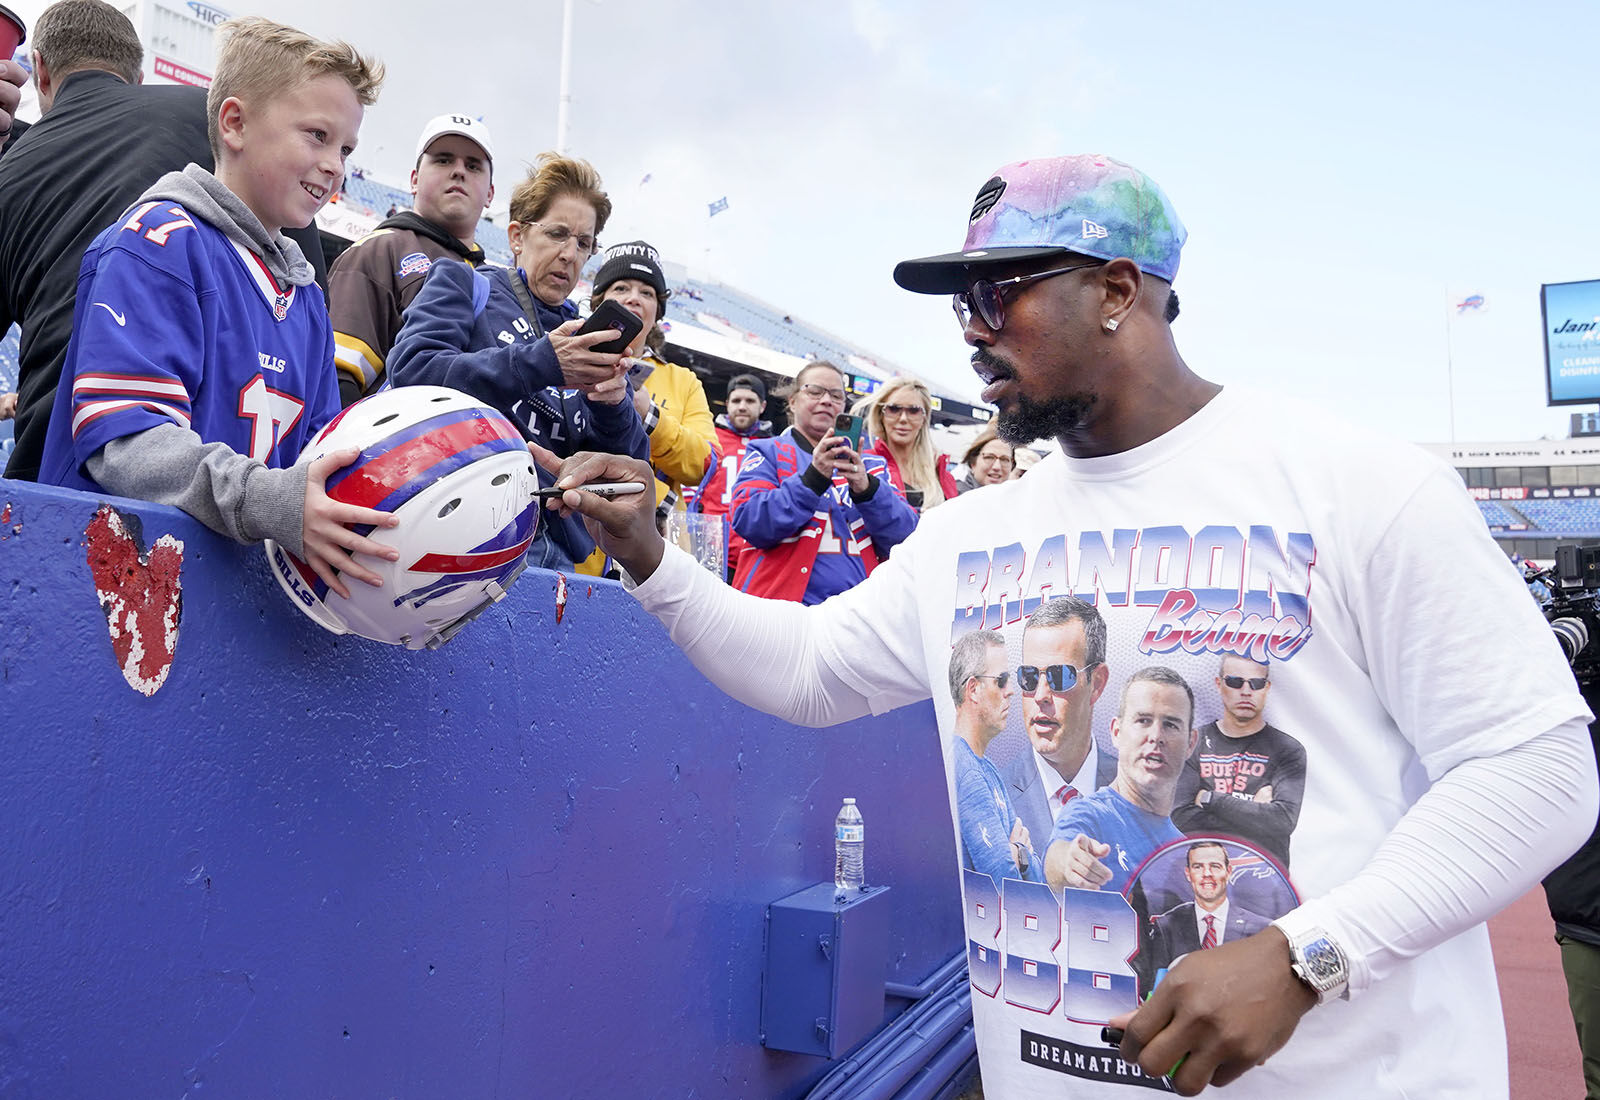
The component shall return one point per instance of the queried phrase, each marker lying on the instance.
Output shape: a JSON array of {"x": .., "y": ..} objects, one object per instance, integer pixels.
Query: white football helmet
[{"x": 459, "y": 476}]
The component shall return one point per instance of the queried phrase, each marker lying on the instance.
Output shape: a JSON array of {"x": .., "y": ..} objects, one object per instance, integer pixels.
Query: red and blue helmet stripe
[
  {"x": 497, "y": 559},
  {"x": 401, "y": 465}
]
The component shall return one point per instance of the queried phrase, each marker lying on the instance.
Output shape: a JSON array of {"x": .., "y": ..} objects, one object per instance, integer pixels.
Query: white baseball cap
[{"x": 468, "y": 127}]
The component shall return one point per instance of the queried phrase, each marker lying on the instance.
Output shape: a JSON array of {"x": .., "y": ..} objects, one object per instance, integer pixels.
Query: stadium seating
[
  {"x": 756, "y": 322},
  {"x": 1576, "y": 518},
  {"x": 494, "y": 242},
  {"x": 728, "y": 312},
  {"x": 1496, "y": 514},
  {"x": 701, "y": 303},
  {"x": 372, "y": 197}
]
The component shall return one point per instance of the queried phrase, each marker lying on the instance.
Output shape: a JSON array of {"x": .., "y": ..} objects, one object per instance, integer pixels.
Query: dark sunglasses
[
  {"x": 914, "y": 412},
  {"x": 1059, "y": 677},
  {"x": 1256, "y": 682},
  {"x": 988, "y": 299},
  {"x": 1000, "y": 681}
]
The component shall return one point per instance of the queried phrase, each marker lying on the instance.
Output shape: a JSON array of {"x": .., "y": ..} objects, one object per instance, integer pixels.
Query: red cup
[{"x": 12, "y": 33}]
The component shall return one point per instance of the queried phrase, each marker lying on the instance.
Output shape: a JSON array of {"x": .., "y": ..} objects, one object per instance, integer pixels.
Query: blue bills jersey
[{"x": 175, "y": 323}]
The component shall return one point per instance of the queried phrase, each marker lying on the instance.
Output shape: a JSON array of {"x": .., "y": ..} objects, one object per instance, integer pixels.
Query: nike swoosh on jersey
[{"x": 115, "y": 316}]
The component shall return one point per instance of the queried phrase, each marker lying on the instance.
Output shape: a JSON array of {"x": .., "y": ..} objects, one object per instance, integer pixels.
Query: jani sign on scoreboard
[{"x": 1571, "y": 341}]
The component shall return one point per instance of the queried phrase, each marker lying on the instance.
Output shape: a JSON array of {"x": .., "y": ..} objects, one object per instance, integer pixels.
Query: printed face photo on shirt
[
  {"x": 1253, "y": 882},
  {"x": 1189, "y": 598},
  {"x": 982, "y": 685},
  {"x": 1245, "y": 703},
  {"x": 1153, "y": 733},
  {"x": 993, "y": 695},
  {"x": 1206, "y": 868},
  {"x": 1242, "y": 890},
  {"x": 1058, "y": 723}
]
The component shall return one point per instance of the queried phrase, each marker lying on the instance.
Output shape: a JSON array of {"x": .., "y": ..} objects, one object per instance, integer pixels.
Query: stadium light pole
[
  {"x": 1450, "y": 362},
  {"x": 566, "y": 76}
]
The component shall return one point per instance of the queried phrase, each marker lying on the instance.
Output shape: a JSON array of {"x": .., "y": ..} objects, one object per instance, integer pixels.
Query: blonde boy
[{"x": 201, "y": 358}]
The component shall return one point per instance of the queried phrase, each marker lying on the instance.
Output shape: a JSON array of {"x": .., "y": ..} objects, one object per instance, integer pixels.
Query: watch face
[
  {"x": 1324, "y": 967},
  {"x": 1322, "y": 961}
]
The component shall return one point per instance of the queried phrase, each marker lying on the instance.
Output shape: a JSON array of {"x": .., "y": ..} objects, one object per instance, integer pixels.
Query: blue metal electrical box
[{"x": 827, "y": 960}]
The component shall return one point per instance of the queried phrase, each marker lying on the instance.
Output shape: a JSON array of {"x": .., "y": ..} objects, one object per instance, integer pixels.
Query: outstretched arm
[{"x": 805, "y": 676}]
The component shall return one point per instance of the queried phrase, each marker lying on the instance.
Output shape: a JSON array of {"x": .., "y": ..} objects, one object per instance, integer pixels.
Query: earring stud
[{"x": 1111, "y": 324}]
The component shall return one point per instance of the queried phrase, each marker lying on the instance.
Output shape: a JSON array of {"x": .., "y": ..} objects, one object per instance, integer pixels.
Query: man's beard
[{"x": 1031, "y": 420}]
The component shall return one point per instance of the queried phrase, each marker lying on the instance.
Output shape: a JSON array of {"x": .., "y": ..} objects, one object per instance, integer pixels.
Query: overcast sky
[{"x": 1343, "y": 169}]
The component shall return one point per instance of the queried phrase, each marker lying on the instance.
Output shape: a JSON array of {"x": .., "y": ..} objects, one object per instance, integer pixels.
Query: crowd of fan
[{"x": 181, "y": 201}]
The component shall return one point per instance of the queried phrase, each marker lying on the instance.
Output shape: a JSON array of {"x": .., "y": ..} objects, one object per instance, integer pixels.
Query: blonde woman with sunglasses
[{"x": 899, "y": 416}]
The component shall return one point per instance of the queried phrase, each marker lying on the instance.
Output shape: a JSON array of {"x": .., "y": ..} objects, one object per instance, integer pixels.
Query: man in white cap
[{"x": 373, "y": 282}]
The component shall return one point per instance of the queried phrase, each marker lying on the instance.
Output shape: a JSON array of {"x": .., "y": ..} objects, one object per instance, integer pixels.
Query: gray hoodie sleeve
[{"x": 228, "y": 492}]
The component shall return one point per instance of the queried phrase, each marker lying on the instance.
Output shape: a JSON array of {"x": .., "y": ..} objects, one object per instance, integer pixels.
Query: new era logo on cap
[{"x": 1091, "y": 230}]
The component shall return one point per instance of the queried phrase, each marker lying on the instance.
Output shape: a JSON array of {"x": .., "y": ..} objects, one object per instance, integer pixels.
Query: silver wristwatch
[{"x": 1319, "y": 962}]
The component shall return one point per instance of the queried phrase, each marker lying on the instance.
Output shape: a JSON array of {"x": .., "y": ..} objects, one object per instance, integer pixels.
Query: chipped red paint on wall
[
  {"x": 141, "y": 596},
  {"x": 561, "y": 596}
]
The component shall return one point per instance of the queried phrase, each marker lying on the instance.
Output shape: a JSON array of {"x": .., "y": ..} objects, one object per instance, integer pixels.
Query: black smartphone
[
  {"x": 849, "y": 427},
  {"x": 611, "y": 314}
]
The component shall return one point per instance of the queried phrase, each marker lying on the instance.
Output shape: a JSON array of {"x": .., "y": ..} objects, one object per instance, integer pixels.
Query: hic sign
[{"x": 1571, "y": 341}]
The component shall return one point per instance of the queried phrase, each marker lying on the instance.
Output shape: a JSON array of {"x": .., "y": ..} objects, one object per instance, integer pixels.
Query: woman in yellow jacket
[{"x": 669, "y": 398}]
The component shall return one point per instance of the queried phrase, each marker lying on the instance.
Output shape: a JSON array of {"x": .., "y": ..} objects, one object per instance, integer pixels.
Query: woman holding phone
[
  {"x": 512, "y": 339},
  {"x": 899, "y": 416},
  {"x": 818, "y": 515},
  {"x": 669, "y": 399}
]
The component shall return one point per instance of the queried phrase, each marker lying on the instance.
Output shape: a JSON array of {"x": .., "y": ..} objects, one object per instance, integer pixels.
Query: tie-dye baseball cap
[{"x": 1089, "y": 204}]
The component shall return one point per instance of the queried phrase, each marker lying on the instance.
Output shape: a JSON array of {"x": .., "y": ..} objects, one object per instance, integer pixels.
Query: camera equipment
[{"x": 1569, "y": 595}]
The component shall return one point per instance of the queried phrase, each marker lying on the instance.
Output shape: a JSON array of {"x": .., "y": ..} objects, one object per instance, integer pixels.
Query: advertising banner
[{"x": 1571, "y": 341}]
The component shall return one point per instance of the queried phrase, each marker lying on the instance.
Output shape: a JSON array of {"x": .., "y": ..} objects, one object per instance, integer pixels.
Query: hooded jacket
[
  {"x": 200, "y": 365},
  {"x": 370, "y": 287}
]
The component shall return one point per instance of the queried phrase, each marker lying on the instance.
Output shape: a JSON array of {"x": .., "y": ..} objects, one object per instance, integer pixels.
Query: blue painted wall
[{"x": 532, "y": 863}]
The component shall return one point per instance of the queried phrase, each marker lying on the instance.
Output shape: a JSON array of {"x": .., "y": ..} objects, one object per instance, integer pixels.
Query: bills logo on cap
[
  {"x": 988, "y": 195},
  {"x": 1092, "y": 231}
]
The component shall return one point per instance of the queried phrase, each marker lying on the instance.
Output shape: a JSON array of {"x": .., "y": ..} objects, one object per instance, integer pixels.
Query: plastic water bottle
[{"x": 849, "y": 843}]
